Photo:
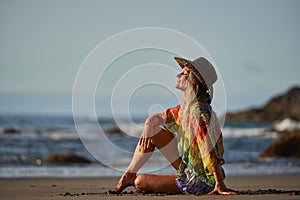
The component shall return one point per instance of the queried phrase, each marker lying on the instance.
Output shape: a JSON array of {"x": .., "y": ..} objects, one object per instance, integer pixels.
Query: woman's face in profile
[{"x": 182, "y": 77}]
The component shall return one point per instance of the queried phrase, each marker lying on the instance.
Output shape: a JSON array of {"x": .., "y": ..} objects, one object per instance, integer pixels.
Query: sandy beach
[{"x": 249, "y": 187}]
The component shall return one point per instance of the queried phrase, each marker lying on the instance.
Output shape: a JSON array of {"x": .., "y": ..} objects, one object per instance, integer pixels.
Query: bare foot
[{"x": 126, "y": 180}]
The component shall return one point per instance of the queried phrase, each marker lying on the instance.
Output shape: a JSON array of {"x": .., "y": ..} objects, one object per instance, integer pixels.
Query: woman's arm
[
  {"x": 151, "y": 127},
  {"x": 220, "y": 187},
  {"x": 154, "y": 124}
]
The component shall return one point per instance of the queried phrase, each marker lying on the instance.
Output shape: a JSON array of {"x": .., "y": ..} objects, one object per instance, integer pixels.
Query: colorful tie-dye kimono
[{"x": 200, "y": 146}]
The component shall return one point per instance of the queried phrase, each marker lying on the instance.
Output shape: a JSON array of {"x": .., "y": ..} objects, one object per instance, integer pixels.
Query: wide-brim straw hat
[{"x": 206, "y": 72}]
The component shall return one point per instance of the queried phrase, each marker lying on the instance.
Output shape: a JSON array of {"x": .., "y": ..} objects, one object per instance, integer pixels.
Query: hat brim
[{"x": 182, "y": 62}]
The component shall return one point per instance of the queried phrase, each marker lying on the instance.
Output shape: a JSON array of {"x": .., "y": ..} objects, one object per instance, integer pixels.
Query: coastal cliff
[{"x": 280, "y": 107}]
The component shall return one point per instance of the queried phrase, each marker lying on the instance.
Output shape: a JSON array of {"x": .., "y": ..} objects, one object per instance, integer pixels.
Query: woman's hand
[
  {"x": 222, "y": 189},
  {"x": 152, "y": 126},
  {"x": 145, "y": 141}
]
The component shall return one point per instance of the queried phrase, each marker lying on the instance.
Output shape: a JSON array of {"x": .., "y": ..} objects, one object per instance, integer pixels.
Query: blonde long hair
[{"x": 195, "y": 92}]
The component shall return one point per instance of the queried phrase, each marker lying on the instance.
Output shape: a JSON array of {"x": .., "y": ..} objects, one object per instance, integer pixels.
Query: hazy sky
[{"x": 255, "y": 44}]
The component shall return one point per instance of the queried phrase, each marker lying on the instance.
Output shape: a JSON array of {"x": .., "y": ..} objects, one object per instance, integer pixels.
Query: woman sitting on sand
[{"x": 188, "y": 135}]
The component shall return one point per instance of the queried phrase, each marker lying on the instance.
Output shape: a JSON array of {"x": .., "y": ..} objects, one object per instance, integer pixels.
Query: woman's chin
[{"x": 178, "y": 87}]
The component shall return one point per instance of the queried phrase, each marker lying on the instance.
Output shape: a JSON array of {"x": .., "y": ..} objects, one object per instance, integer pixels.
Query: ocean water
[{"x": 109, "y": 145}]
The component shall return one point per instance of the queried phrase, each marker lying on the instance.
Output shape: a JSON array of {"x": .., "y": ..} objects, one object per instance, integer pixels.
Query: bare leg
[
  {"x": 157, "y": 183},
  {"x": 139, "y": 158},
  {"x": 164, "y": 141}
]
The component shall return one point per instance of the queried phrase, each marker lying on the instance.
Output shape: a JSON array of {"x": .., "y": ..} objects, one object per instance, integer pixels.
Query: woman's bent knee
[{"x": 154, "y": 120}]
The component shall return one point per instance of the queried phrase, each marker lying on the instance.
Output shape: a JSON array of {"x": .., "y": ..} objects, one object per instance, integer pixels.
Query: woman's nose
[{"x": 178, "y": 75}]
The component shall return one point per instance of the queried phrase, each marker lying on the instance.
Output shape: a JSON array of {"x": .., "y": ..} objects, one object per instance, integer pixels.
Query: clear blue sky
[{"x": 255, "y": 44}]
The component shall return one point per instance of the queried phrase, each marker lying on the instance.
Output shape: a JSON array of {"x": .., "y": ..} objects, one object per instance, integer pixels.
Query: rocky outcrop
[
  {"x": 114, "y": 130},
  {"x": 65, "y": 158},
  {"x": 285, "y": 146},
  {"x": 278, "y": 108},
  {"x": 9, "y": 130}
]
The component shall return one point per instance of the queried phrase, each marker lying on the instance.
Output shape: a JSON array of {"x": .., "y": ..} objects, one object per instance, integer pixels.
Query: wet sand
[{"x": 249, "y": 187}]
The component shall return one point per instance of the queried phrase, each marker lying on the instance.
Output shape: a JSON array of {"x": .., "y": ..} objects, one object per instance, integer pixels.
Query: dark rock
[
  {"x": 9, "y": 130},
  {"x": 65, "y": 158},
  {"x": 278, "y": 108},
  {"x": 114, "y": 130},
  {"x": 285, "y": 146},
  {"x": 67, "y": 194}
]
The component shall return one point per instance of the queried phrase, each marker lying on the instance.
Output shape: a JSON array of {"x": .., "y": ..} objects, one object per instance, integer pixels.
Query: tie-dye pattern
[{"x": 200, "y": 146}]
